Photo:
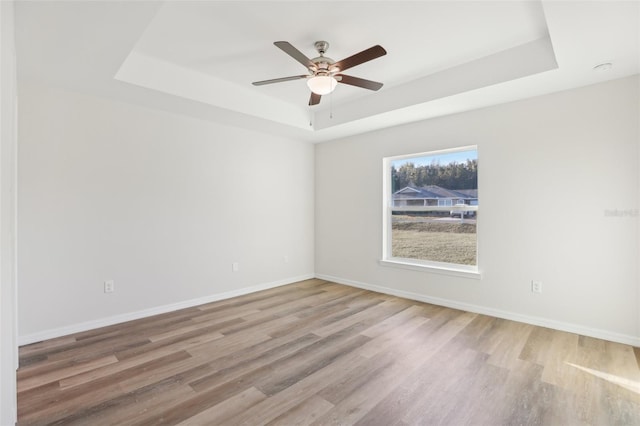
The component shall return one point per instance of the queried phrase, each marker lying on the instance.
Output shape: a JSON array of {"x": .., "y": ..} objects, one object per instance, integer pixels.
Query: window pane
[
  {"x": 448, "y": 183},
  {"x": 437, "y": 239}
]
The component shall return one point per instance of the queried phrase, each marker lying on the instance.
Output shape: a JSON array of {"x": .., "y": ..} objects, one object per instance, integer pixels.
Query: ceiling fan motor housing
[{"x": 322, "y": 64}]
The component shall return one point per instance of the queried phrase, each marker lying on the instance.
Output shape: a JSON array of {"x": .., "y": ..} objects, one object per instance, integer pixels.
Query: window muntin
[{"x": 431, "y": 209}]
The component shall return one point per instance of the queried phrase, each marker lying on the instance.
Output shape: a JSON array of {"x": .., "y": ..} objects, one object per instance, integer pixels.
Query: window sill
[{"x": 444, "y": 270}]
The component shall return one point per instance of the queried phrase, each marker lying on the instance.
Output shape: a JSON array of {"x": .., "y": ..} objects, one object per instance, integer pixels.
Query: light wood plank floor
[{"x": 316, "y": 352}]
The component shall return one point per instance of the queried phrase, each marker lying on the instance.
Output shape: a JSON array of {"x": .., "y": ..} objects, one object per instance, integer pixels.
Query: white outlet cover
[{"x": 536, "y": 286}]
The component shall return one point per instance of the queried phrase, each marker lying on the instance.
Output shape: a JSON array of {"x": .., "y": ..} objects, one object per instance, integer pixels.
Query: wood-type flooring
[{"x": 320, "y": 353}]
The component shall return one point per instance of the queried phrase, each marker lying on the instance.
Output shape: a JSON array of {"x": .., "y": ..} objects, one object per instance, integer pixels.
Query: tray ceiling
[{"x": 199, "y": 58}]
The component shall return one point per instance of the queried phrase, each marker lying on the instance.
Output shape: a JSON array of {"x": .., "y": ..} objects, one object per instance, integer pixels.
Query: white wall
[
  {"x": 8, "y": 144},
  {"x": 549, "y": 169},
  {"x": 162, "y": 204}
]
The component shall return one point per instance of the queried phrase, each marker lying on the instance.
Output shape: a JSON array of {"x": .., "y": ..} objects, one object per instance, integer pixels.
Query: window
[{"x": 431, "y": 210}]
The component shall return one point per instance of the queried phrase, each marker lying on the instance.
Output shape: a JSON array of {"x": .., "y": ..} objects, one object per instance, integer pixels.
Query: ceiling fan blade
[
  {"x": 362, "y": 57},
  {"x": 360, "y": 82},
  {"x": 314, "y": 99},
  {"x": 294, "y": 53},
  {"x": 278, "y": 80}
]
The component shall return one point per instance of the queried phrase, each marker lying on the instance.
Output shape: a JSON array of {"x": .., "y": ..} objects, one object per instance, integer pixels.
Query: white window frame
[{"x": 468, "y": 271}]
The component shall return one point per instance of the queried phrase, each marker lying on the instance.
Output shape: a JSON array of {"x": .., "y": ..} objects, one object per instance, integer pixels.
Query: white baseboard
[
  {"x": 542, "y": 322},
  {"x": 117, "y": 319}
]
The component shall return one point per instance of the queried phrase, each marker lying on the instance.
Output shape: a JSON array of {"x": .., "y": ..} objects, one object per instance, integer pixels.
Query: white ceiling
[{"x": 199, "y": 58}]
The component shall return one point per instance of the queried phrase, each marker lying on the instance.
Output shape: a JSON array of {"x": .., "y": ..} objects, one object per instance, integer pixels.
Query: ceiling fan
[{"x": 324, "y": 72}]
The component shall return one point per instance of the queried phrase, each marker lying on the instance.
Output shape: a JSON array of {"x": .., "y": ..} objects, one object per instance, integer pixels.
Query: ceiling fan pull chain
[{"x": 331, "y": 105}]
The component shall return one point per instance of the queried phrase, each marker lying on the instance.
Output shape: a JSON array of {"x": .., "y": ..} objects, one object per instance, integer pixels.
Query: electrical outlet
[
  {"x": 536, "y": 286},
  {"x": 109, "y": 286},
  {"x": 235, "y": 267}
]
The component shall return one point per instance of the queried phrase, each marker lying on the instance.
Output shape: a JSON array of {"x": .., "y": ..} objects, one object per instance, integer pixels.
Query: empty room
[{"x": 320, "y": 213}]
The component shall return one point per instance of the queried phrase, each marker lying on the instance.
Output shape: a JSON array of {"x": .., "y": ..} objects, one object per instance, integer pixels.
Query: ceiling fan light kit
[
  {"x": 322, "y": 84},
  {"x": 324, "y": 72}
]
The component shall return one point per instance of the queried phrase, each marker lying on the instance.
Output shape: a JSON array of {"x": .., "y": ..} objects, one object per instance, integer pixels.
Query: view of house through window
[{"x": 432, "y": 207}]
